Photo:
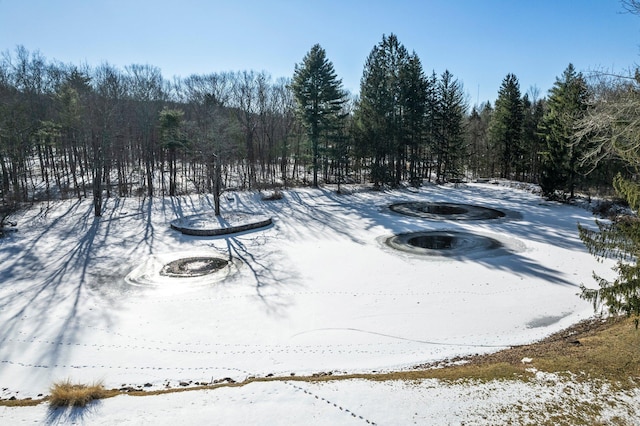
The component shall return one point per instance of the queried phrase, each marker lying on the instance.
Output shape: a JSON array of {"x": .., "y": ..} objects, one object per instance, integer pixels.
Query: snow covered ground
[{"x": 318, "y": 291}]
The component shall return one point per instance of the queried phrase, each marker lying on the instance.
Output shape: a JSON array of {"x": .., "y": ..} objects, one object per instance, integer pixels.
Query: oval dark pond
[
  {"x": 193, "y": 266},
  {"x": 446, "y": 243},
  {"x": 446, "y": 211}
]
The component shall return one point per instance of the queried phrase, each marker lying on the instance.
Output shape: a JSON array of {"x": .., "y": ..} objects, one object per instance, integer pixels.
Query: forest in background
[
  {"x": 99, "y": 131},
  {"x": 81, "y": 131}
]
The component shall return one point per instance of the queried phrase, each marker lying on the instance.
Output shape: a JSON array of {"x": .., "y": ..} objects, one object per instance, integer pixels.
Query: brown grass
[
  {"x": 599, "y": 349},
  {"x": 67, "y": 394}
]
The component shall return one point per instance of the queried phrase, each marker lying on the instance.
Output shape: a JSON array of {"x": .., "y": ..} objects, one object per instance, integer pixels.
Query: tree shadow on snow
[
  {"x": 327, "y": 214},
  {"x": 274, "y": 277},
  {"x": 52, "y": 283}
]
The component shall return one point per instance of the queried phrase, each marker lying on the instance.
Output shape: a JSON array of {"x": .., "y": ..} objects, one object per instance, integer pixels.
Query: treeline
[{"x": 82, "y": 131}]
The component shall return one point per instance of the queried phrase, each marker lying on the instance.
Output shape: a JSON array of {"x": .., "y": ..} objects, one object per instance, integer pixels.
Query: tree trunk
[{"x": 217, "y": 189}]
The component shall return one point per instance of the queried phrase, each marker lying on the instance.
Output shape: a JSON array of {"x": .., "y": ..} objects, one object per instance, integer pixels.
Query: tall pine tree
[
  {"x": 450, "y": 142},
  {"x": 414, "y": 90},
  {"x": 379, "y": 114},
  {"x": 319, "y": 97},
  {"x": 566, "y": 105},
  {"x": 506, "y": 126},
  {"x": 532, "y": 140}
]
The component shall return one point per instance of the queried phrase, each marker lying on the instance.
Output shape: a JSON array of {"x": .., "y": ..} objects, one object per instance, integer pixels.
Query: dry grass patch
[
  {"x": 67, "y": 394},
  {"x": 602, "y": 349},
  {"x": 27, "y": 402}
]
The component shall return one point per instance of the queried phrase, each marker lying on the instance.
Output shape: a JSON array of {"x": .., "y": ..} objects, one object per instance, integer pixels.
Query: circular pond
[
  {"x": 193, "y": 266},
  {"x": 448, "y": 211},
  {"x": 184, "y": 268},
  {"x": 447, "y": 244}
]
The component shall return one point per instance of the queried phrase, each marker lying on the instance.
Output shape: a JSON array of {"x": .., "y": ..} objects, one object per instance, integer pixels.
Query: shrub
[{"x": 67, "y": 394}]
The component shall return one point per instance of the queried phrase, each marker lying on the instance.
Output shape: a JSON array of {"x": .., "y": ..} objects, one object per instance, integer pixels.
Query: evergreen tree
[
  {"x": 369, "y": 117},
  {"x": 432, "y": 108},
  {"x": 450, "y": 142},
  {"x": 619, "y": 238},
  {"x": 612, "y": 125},
  {"x": 319, "y": 97},
  {"x": 380, "y": 109},
  {"x": 170, "y": 122},
  {"x": 566, "y": 105},
  {"x": 532, "y": 140},
  {"x": 414, "y": 90},
  {"x": 506, "y": 125}
]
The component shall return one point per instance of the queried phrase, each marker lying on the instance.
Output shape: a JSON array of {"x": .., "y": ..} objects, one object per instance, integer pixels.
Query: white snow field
[{"x": 82, "y": 298}]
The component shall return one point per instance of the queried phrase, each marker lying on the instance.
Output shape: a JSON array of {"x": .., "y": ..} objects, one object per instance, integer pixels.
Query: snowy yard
[{"x": 318, "y": 291}]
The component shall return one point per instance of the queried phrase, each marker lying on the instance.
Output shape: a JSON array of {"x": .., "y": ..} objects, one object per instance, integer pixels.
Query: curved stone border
[
  {"x": 459, "y": 244},
  {"x": 209, "y": 225}
]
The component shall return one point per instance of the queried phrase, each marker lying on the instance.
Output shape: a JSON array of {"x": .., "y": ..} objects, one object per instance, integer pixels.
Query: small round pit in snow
[
  {"x": 449, "y": 211},
  {"x": 448, "y": 244},
  {"x": 188, "y": 269},
  {"x": 193, "y": 266}
]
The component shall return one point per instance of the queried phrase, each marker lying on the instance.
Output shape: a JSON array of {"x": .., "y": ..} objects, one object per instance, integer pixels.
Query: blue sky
[{"x": 479, "y": 41}]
